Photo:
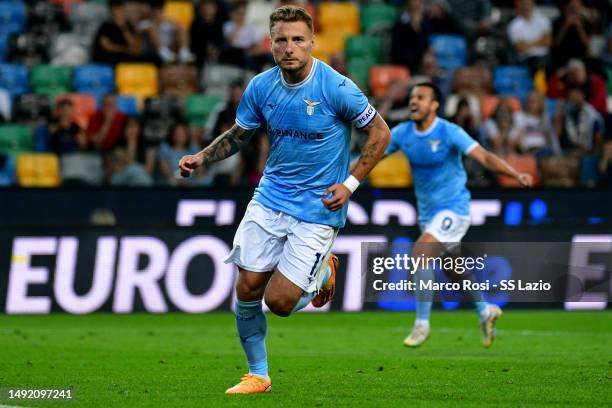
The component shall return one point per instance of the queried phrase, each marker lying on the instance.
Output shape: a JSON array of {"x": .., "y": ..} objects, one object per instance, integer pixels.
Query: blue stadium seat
[
  {"x": 450, "y": 50},
  {"x": 94, "y": 77},
  {"x": 512, "y": 80},
  {"x": 7, "y": 170},
  {"x": 127, "y": 104},
  {"x": 14, "y": 78},
  {"x": 12, "y": 16}
]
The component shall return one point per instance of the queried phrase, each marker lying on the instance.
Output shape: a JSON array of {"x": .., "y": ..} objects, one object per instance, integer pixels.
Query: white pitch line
[{"x": 12, "y": 406}]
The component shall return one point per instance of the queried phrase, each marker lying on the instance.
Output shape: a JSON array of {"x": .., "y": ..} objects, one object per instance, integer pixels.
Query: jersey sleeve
[
  {"x": 351, "y": 104},
  {"x": 248, "y": 115},
  {"x": 461, "y": 140},
  {"x": 394, "y": 144}
]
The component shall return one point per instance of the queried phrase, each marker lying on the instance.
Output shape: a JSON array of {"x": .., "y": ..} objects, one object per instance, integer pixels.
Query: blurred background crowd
[{"x": 115, "y": 92}]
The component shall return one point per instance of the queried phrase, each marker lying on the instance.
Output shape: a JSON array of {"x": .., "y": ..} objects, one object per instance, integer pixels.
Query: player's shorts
[
  {"x": 268, "y": 239},
  {"x": 447, "y": 227}
]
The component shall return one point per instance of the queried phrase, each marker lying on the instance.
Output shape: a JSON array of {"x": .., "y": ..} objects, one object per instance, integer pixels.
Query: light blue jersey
[
  {"x": 437, "y": 169},
  {"x": 309, "y": 133}
]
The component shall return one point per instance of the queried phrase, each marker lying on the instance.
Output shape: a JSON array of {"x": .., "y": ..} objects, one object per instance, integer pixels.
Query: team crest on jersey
[
  {"x": 310, "y": 109},
  {"x": 434, "y": 145}
]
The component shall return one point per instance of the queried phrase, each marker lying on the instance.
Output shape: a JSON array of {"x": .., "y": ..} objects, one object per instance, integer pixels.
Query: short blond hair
[{"x": 290, "y": 14}]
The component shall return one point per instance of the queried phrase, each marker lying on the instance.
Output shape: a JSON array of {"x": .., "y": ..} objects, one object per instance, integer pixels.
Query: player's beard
[
  {"x": 297, "y": 68},
  {"x": 422, "y": 118}
]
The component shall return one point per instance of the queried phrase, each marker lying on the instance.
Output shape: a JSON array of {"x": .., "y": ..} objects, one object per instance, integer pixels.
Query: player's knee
[
  {"x": 246, "y": 290},
  {"x": 279, "y": 305}
]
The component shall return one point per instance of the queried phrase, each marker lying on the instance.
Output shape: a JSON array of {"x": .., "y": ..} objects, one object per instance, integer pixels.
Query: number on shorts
[{"x": 314, "y": 267}]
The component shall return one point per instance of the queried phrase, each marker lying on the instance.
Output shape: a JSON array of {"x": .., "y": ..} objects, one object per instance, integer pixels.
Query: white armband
[{"x": 351, "y": 183}]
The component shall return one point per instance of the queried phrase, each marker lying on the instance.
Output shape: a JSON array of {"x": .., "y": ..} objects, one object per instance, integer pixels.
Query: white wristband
[{"x": 351, "y": 183}]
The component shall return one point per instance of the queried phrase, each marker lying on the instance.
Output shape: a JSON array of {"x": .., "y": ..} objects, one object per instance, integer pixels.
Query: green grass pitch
[{"x": 544, "y": 358}]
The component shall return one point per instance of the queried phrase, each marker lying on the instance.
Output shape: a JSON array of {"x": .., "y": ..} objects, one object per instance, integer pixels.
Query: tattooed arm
[
  {"x": 227, "y": 144},
  {"x": 379, "y": 136}
]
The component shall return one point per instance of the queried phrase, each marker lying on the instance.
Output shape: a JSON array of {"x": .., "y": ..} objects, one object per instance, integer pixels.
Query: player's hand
[
  {"x": 525, "y": 179},
  {"x": 189, "y": 163},
  {"x": 340, "y": 196}
]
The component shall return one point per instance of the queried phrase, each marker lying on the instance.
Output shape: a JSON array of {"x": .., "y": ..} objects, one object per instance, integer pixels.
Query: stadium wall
[{"x": 123, "y": 251}]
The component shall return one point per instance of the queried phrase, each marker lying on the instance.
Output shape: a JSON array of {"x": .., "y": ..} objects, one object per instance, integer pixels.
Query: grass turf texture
[{"x": 549, "y": 358}]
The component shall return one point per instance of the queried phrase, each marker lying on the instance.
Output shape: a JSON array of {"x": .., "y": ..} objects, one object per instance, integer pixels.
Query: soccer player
[
  {"x": 282, "y": 246},
  {"x": 434, "y": 148}
]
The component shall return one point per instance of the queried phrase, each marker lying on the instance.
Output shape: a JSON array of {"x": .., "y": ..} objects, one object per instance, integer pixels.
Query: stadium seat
[
  {"x": 15, "y": 138},
  {"x": 7, "y": 170},
  {"x": 139, "y": 80},
  {"x": 84, "y": 106},
  {"x": 12, "y": 16},
  {"x": 38, "y": 170},
  {"x": 94, "y": 79},
  {"x": 525, "y": 163},
  {"x": 127, "y": 104},
  {"x": 181, "y": 12},
  {"x": 69, "y": 49},
  {"x": 472, "y": 80},
  {"x": 450, "y": 50},
  {"x": 162, "y": 107},
  {"x": 31, "y": 107},
  {"x": 359, "y": 70},
  {"x": 376, "y": 17},
  {"x": 364, "y": 46},
  {"x": 6, "y": 105},
  {"x": 514, "y": 80},
  {"x": 29, "y": 48},
  {"x": 217, "y": 78},
  {"x": 46, "y": 18},
  {"x": 82, "y": 168},
  {"x": 14, "y": 78},
  {"x": 179, "y": 80},
  {"x": 86, "y": 18},
  {"x": 381, "y": 76},
  {"x": 329, "y": 43},
  {"x": 44, "y": 76},
  {"x": 199, "y": 107},
  {"x": 394, "y": 172},
  {"x": 339, "y": 18}
]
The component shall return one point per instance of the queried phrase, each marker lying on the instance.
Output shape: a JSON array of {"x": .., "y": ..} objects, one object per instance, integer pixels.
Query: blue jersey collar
[{"x": 428, "y": 130}]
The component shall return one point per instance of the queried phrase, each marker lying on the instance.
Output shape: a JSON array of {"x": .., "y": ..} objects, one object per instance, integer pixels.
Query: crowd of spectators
[{"x": 560, "y": 121}]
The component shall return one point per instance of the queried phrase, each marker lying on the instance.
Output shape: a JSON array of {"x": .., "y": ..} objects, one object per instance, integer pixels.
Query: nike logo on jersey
[
  {"x": 272, "y": 105},
  {"x": 310, "y": 109},
  {"x": 343, "y": 83}
]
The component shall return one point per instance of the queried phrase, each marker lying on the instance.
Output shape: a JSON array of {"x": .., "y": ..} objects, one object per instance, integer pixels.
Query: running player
[
  {"x": 282, "y": 246},
  {"x": 434, "y": 148}
]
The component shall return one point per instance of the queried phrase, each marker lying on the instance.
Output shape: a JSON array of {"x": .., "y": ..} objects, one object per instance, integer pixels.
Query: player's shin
[
  {"x": 476, "y": 295},
  {"x": 252, "y": 329}
]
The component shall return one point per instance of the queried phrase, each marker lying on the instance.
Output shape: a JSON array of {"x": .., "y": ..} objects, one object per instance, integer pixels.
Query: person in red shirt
[
  {"x": 575, "y": 74},
  {"x": 106, "y": 125}
]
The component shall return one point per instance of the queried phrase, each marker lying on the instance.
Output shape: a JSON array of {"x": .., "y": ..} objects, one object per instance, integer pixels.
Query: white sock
[{"x": 422, "y": 322}]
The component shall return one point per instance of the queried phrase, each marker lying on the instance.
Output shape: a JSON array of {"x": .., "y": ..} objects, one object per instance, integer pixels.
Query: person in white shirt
[{"x": 530, "y": 35}]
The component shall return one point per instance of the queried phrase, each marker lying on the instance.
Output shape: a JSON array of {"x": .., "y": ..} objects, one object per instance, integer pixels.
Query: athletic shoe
[
  {"x": 487, "y": 324},
  {"x": 251, "y": 384},
  {"x": 329, "y": 289},
  {"x": 418, "y": 335}
]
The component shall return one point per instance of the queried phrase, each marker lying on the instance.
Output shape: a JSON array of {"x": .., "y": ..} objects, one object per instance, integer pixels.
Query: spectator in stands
[
  {"x": 606, "y": 55},
  {"x": 394, "y": 107},
  {"x": 106, "y": 125},
  {"x": 530, "y": 33},
  {"x": 206, "y": 32},
  {"x": 571, "y": 34},
  {"x": 253, "y": 159},
  {"x": 500, "y": 131},
  {"x": 440, "y": 19},
  {"x": 464, "y": 118},
  {"x": 242, "y": 40},
  {"x": 65, "y": 135},
  {"x": 117, "y": 41},
  {"x": 167, "y": 37},
  {"x": 605, "y": 164},
  {"x": 535, "y": 130},
  {"x": 431, "y": 70},
  {"x": 132, "y": 162},
  {"x": 410, "y": 36},
  {"x": 575, "y": 74},
  {"x": 179, "y": 144},
  {"x": 228, "y": 114},
  {"x": 473, "y": 16},
  {"x": 580, "y": 129}
]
